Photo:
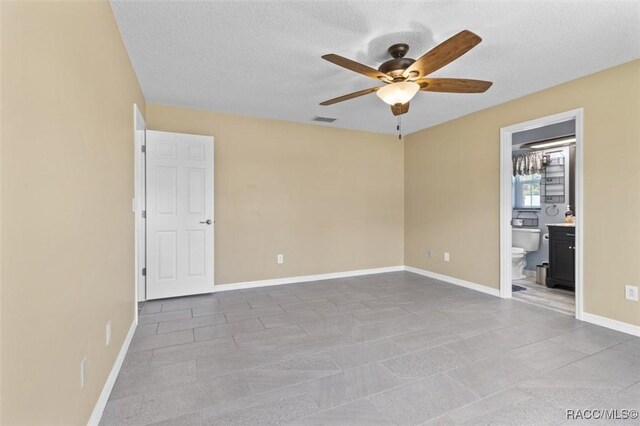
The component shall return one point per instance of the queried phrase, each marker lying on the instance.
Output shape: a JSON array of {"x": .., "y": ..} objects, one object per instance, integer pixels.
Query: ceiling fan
[{"x": 404, "y": 77}]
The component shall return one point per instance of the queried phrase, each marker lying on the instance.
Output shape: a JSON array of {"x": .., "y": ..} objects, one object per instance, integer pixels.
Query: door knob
[{"x": 208, "y": 222}]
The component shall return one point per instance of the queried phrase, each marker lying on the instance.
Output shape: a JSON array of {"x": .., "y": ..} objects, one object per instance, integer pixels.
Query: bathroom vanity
[{"x": 562, "y": 255}]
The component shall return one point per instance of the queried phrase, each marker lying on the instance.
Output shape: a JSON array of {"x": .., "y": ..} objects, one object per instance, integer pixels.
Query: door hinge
[
  {"x": 144, "y": 148},
  {"x": 144, "y": 272},
  {"x": 144, "y": 214}
]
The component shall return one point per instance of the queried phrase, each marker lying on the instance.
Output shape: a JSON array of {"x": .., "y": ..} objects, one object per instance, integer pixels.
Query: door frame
[
  {"x": 138, "y": 205},
  {"x": 506, "y": 171}
]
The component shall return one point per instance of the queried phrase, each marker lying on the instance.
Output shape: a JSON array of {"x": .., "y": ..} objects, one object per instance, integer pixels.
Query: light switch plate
[{"x": 631, "y": 292}]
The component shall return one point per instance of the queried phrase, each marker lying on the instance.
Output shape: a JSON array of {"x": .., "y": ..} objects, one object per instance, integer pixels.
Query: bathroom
[{"x": 543, "y": 219}]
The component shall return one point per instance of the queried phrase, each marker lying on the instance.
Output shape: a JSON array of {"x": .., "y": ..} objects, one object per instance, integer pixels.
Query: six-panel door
[{"x": 179, "y": 214}]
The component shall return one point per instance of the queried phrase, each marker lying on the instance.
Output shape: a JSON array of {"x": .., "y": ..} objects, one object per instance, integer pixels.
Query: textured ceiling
[{"x": 262, "y": 58}]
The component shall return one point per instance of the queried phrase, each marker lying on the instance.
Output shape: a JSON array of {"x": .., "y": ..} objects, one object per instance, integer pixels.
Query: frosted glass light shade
[{"x": 398, "y": 93}]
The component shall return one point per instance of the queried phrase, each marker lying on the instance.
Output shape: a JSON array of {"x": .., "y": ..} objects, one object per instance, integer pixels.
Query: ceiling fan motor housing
[{"x": 396, "y": 66}]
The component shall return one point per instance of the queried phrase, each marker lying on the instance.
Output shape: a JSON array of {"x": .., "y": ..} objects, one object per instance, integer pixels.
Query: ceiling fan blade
[
  {"x": 444, "y": 53},
  {"x": 356, "y": 67},
  {"x": 453, "y": 85},
  {"x": 400, "y": 109},
  {"x": 349, "y": 96}
]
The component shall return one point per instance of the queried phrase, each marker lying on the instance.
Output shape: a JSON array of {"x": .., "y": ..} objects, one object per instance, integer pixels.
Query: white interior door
[{"x": 179, "y": 214}]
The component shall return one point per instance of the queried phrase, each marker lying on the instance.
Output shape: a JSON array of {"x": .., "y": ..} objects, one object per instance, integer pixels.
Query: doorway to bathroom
[{"x": 540, "y": 212}]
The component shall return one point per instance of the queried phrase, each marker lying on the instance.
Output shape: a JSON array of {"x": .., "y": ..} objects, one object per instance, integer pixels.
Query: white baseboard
[
  {"x": 98, "y": 409},
  {"x": 616, "y": 325},
  {"x": 457, "y": 281},
  {"x": 305, "y": 278}
]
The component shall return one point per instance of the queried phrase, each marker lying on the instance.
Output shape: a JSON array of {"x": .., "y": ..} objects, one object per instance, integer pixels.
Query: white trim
[
  {"x": 579, "y": 185},
  {"x": 623, "y": 327},
  {"x": 139, "y": 127},
  {"x": 452, "y": 280},
  {"x": 305, "y": 278},
  {"x": 98, "y": 409},
  {"x": 505, "y": 199},
  {"x": 506, "y": 212}
]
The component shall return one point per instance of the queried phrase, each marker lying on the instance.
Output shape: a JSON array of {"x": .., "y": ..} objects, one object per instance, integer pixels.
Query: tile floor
[
  {"x": 558, "y": 299},
  {"x": 388, "y": 349}
]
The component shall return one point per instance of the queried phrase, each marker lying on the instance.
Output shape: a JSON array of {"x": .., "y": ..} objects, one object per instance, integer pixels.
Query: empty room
[{"x": 319, "y": 212}]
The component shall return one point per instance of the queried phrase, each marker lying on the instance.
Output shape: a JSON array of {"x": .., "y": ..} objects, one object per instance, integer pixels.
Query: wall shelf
[{"x": 553, "y": 180}]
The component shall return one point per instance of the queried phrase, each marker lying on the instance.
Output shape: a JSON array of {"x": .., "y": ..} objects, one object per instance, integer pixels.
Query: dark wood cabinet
[{"x": 562, "y": 257}]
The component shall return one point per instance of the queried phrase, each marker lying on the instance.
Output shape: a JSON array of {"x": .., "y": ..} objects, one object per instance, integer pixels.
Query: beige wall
[
  {"x": 329, "y": 199},
  {"x": 67, "y": 183},
  {"x": 452, "y": 188}
]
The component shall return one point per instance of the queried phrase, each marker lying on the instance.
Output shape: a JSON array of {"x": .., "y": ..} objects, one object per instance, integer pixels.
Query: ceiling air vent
[{"x": 323, "y": 119}]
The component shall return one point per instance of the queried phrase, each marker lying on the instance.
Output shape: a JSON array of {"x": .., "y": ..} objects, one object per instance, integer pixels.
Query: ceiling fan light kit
[
  {"x": 404, "y": 77},
  {"x": 398, "y": 93}
]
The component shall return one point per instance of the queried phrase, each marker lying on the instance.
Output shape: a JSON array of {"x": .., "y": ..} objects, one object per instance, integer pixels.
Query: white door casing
[
  {"x": 180, "y": 227},
  {"x": 139, "y": 205},
  {"x": 506, "y": 134}
]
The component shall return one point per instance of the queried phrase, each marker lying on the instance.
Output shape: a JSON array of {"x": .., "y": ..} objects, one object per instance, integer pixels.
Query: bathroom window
[{"x": 527, "y": 191}]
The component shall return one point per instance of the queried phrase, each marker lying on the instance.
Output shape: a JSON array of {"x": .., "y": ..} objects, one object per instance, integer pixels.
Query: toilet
[{"x": 523, "y": 241}]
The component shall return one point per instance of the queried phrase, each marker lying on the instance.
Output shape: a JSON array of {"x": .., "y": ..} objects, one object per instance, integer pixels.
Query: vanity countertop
[{"x": 562, "y": 224}]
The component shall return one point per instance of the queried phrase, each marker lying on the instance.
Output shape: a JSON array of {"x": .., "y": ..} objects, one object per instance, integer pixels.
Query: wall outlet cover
[
  {"x": 446, "y": 256},
  {"x": 280, "y": 258},
  {"x": 108, "y": 333},
  {"x": 83, "y": 372}
]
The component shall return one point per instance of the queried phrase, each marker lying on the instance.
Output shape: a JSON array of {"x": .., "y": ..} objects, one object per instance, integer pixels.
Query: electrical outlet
[
  {"x": 446, "y": 256},
  {"x": 631, "y": 292},
  {"x": 108, "y": 333},
  {"x": 280, "y": 258},
  {"x": 429, "y": 253},
  {"x": 83, "y": 372}
]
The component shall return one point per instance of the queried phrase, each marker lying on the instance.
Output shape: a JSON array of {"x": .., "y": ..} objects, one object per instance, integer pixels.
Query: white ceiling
[{"x": 263, "y": 58}]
